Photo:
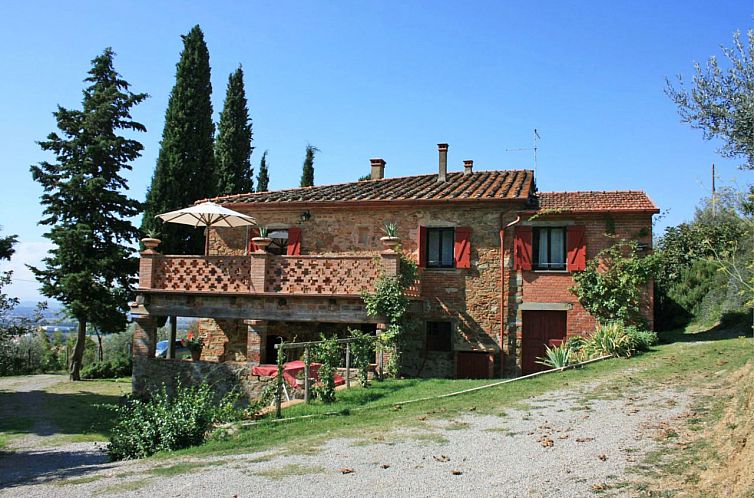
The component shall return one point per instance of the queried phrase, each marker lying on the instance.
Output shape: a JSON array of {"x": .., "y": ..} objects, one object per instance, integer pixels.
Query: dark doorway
[
  {"x": 270, "y": 353},
  {"x": 540, "y": 328}
]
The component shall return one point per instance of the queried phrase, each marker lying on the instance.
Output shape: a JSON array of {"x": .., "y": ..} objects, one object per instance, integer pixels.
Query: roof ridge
[{"x": 370, "y": 181}]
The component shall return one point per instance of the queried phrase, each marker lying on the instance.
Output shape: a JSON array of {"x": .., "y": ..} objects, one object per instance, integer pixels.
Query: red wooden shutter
[
  {"x": 294, "y": 241},
  {"x": 522, "y": 248},
  {"x": 253, "y": 232},
  {"x": 462, "y": 247},
  {"x": 422, "y": 247},
  {"x": 576, "y": 243}
]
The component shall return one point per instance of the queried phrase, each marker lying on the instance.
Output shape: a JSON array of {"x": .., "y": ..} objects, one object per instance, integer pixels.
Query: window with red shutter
[
  {"x": 294, "y": 241},
  {"x": 253, "y": 232},
  {"x": 462, "y": 247},
  {"x": 576, "y": 241},
  {"x": 522, "y": 248}
]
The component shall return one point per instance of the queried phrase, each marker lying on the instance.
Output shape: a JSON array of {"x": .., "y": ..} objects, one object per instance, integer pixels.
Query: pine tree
[
  {"x": 91, "y": 268},
  {"x": 185, "y": 166},
  {"x": 235, "y": 175},
  {"x": 263, "y": 178},
  {"x": 307, "y": 175}
]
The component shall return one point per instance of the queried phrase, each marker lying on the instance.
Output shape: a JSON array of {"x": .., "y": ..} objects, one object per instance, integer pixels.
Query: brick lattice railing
[
  {"x": 321, "y": 275},
  {"x": 264, "y": 273},
  {"x": 202, "y": 273}
]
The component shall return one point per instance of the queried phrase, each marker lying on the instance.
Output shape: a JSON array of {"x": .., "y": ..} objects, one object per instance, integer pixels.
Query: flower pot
[
  {"x": 391, "y": 242},
  {"x": 261, "y": 243},
  {"x": 195, "y": 355},
  {"x": 150, "y": 244}
]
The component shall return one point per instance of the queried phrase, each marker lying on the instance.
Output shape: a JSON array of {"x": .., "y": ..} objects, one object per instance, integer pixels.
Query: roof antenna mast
[{"x": 535, "y": 149}]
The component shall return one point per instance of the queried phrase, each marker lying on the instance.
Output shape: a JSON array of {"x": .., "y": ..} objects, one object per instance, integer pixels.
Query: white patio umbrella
[{"x": 208, "y": 214}]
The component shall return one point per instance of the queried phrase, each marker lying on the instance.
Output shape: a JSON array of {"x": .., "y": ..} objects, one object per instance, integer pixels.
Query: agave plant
[
  {"x": 263, "y": 231},
  {"x": 390, "y": 229},
  {"x": 610, "y": 339},
  {"x": 556, "y": 357}
]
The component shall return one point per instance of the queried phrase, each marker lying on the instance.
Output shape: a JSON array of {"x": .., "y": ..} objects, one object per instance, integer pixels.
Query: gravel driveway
[{"x": 562, "y": 444}]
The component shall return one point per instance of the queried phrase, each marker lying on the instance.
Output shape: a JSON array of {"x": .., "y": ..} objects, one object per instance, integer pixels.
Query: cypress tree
[
  {"x": 233, "y": 150},
  {"x": 263, "y": 178},
  {"x": 91, "y": 268},
  {"x": 185, "y": 165},
  {"x": 307, "y": 175}
]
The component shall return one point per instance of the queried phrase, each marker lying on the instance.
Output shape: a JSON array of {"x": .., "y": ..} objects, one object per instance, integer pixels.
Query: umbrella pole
[{"x": 206, "y": 241}]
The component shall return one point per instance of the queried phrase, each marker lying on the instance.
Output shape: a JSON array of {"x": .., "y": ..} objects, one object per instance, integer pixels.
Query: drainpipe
[{"x": 502, "y": 289}]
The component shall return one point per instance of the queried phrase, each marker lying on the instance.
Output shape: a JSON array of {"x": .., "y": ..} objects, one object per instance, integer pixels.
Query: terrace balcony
[{"x": 261, "y": 285}]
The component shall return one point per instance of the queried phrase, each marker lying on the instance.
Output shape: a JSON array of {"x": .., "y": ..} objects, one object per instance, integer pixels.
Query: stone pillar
[
  {"x": 258, "y": 271},
  {"x": 145, "y": 336},
  {"x": 256, "y": 341},
  {"x": 147, "y": 267},
  {"x": 390, "y": 262}
]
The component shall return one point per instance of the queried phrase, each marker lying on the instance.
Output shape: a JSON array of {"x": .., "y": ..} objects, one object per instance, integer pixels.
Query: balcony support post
[{"x": 256, "y": 340}]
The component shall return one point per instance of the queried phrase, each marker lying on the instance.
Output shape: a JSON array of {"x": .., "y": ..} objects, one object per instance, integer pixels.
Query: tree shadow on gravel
[{"x": 23, "y": 467}]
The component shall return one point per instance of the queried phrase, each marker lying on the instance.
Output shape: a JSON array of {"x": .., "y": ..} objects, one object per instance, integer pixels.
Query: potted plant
[
  {"x": 391, "y": 239},
  {"x": 300, "y": 379},
  {"x": 151, "y": 241},
  {"x": 263, "y": 240},
  {"x": 194, "y": 346}
]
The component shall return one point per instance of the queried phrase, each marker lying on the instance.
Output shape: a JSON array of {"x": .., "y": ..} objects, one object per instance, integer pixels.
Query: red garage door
[{"x": 540, "y": 328}]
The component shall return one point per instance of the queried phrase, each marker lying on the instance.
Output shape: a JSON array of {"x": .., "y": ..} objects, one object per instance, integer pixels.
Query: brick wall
[
  {"x": 470, "y": 298},
  {"x": 602, "y": 230}
]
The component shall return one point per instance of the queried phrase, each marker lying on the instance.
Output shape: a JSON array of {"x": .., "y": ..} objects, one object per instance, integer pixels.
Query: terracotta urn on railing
[
  {"x": 391, "y": 239},
  {"x": 391, "y": 242},
  {"x": 150, "y": 243},
  {"x": 261, "y": 243}
]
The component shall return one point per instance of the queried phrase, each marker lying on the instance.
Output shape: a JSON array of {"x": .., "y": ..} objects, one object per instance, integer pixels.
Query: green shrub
[
  {"x": 328, "y": 354},
  {"x": 166, "y": 423},
  {"x": 641, "y": 340},
  {"x": 557, "y": 357},
  {"x": 117, "y": 367}
]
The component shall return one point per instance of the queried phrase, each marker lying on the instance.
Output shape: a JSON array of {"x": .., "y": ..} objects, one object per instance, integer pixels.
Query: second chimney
[
  {"x": 468, "y": 167},
  {"x": 378, "y": 169},
  {"x": 442, "y": 174}
]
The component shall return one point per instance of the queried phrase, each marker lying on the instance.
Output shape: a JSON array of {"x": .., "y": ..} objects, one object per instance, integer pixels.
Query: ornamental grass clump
[
  {"x": 168, "y": 422},
  {"x": 557, "y": 357}
]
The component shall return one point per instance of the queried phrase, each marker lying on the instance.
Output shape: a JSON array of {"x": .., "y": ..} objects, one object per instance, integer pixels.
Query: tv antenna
[{"x": 534, "y": 148}]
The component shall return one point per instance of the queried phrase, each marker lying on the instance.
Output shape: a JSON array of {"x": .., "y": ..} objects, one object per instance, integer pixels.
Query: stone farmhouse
[{"x": 495, "y": 257}]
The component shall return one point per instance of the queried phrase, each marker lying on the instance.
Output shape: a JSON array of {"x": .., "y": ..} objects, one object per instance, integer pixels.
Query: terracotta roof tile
[
  {"x": 620, "y": 200},
  {"x": 480, "y": 185}
]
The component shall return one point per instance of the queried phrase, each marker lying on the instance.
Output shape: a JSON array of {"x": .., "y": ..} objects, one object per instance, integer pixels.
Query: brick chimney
[
  {"x": 468, "y": 167},
  {"x": 442, "y": 174},
  {"x": 378, "y": 169}
]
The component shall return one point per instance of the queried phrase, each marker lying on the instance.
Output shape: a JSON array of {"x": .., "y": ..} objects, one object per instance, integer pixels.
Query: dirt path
[
  {"x": 37, "y": 456},
  {"x": 567, "y": 443}
]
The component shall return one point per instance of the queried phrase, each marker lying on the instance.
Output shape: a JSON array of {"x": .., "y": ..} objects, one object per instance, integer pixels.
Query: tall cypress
[
  {"x": 91, "y": 269},
  {"x": 307, "y": 175},
  {"x": 263, "y": 178},
  {"x": 235, "y": 175},
  {"x": 185, "y": 169}
]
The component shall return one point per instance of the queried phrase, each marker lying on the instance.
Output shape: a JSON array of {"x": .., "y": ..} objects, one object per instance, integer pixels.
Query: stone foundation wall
[{"x": 149, "y": 374}]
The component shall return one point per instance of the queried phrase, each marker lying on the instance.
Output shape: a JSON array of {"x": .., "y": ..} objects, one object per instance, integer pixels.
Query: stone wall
[{"x": 149, "y": 375}]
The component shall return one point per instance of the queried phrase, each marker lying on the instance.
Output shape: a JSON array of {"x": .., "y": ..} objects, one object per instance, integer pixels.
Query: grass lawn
[
  {"x": 688, "y": 360},
  {"x": 67, "y": 411}
]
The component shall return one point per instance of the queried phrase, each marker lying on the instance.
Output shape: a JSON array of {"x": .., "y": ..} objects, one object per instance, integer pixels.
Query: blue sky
[{"x": 387, "y": 79}]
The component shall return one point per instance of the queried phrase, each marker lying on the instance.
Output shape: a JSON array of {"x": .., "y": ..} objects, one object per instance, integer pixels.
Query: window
[
  {"x": 549, "y": 248},
  {"x": 439, "y": 336},
  {"x": 440, "y": 247},
  {"x": 279, "y": 244},
  {"x": 363, "y": 234}
]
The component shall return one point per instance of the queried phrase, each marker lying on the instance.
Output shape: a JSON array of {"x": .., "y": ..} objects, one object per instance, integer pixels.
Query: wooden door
[
  {"x": 474, "y": 365},
  {"x": 540, "y": 328}
]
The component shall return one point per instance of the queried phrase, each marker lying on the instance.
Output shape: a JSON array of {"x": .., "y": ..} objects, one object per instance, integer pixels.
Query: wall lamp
[{"x": 305, "y": 216}]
